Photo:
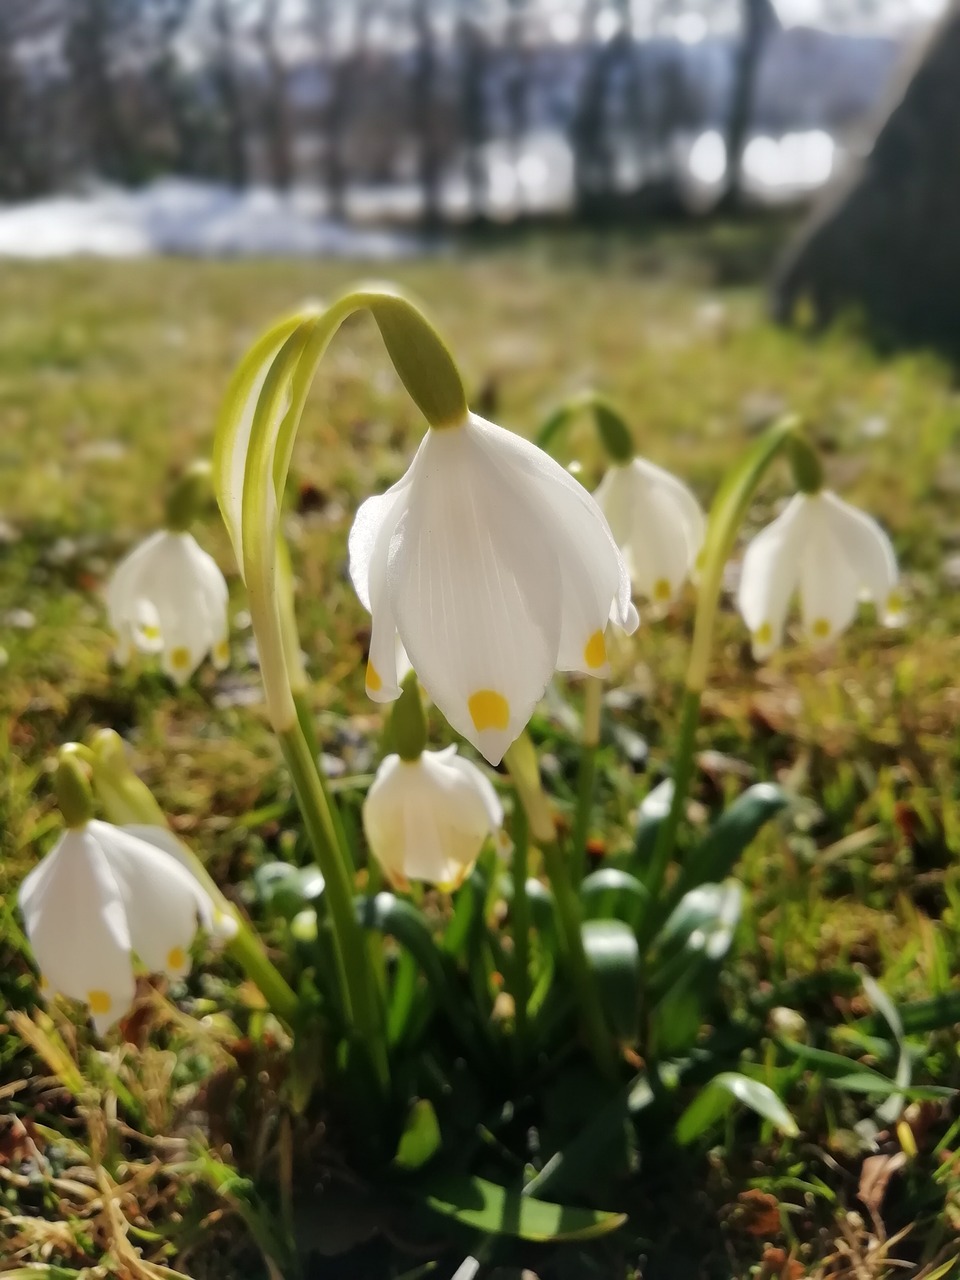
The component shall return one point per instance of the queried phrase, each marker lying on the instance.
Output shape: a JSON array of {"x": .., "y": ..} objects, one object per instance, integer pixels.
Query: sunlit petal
[{"x": 769, "y": 576}]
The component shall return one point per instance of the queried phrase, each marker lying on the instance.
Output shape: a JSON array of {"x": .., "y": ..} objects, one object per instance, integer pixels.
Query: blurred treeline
[{"x": 334, "y": 94}]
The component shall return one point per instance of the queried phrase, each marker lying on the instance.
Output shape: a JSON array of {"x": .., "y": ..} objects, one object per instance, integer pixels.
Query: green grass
[{"x": 110, "y": 378}]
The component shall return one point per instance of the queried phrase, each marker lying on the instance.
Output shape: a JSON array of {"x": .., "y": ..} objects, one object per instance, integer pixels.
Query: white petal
[
  {"x": 383, "y": 817},
  {"x": 161, "y": 898},
  {"x": 829, "y": 582},
  {"x": 74, "y": 918},
  {"x": 870, "y": 553},
  {"x": 163, "y": 838},
  {"x": 574, "y": 525},
  {"x": 666, "y": 533},
  {"x": 475, "y": 589},
  {"x": 373, "y": 517},
  {"x": 484, "y": 788},
  {"x": 770, "y": 574},
  {"x": 615, "y": 495}
]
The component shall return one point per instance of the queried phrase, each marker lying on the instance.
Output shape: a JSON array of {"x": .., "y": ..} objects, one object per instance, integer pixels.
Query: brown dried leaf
[{"x": 875, "y": 1177}]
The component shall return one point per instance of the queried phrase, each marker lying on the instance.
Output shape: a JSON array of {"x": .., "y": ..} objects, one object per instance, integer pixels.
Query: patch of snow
[{"x": 194, "y": 219}]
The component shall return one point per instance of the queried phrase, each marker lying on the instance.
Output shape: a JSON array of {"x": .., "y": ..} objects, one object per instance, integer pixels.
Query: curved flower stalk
[
  {"x": 658, "y": 526},
  {"x": 167, "y": 596},
  {"x": 495, "y": 568},
  {"x": 832, "y": 556},
  {"x": 102, "y": 894},
  {"x": 428, "y": 819}
]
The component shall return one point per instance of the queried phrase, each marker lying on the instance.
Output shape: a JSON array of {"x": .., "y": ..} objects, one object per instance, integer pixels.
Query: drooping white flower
[
  {"x": 427, "y": 819},
  {"x": 101, "y": 895},
  {"x": 496, "y": 568},
  {"x": 829, "y": 553},
  {"x": 658, "y": 526},
  {"x": 168, "y": 596}
]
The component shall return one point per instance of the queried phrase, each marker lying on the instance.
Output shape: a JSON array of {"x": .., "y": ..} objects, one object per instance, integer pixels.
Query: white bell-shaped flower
[
  {"x": 427, "y": 819},
  {"x": 829, "y": 553},
  {"x": 658, "y": 526},
  {"x": 101, "y": 895},
  {"x": 169, "y": 597},
  {"x": 496, "y": 568}
]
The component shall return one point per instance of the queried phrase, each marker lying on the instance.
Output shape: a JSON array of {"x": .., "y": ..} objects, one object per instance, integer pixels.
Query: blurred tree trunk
[
  {"x": 332, "y": 121},
  {"x": 759, "y": 22},
  {"x": 424, "y": 109},
  {"x": 472, "y": 43},
  {"x": 16, "y": 179},
  {"x": 592, "y": 161},
  {"x": 175, "y": 103},
  {"x": 95, "y": 26},
  {"x": 229, "y": 91},
  {"x": 276, "y": 113},
  {"x": 886, "y": 243}
]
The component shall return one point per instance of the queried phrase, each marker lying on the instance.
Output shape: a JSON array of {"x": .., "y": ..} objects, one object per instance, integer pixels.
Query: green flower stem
[
  {"x": 247, "y": 949},
  {"x": 586, "y": 780},
  {"x": 521, "y": 762},
  {"x": 726, "y": 516},
  {"x": 357, "y": 979},
  {"x": 520, "y": 915}
]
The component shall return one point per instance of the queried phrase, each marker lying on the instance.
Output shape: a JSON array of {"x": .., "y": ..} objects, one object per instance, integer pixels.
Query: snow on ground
[{"x": 176, "y": 216}]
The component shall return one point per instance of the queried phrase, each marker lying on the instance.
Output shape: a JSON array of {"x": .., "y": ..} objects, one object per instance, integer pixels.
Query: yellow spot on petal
[
  {"x": 99, "y": 1002},
  {"x": 150, "y": 631},
  {"x": 221, "y": 651},
  {"x": 763, "y": 633},
  {"x": 374, "y": 683},
  {"x": 595, "y": 650},
  {"x": 894, "y": 602},
  {"x": 176, "y": 958},
  {"x": 180, "y": 658},
  {"x": 662, "y": 590},
  {"x": 489, "y": 709},
  {"x": 820, "y": 629}
]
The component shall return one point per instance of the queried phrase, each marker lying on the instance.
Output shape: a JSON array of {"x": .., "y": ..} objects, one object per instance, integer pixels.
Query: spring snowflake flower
[
  {"x": 169, "y": 597},
  {"x": 427, "y": 819},
  {"x": 658, "y": 526},
  {"x": 495, "y": 568},
  {"x": 100, "y": 895},
  {"x": 828, "y": 552}
]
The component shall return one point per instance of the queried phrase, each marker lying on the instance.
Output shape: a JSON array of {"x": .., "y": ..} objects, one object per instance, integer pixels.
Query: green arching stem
[
  {"x": 611, "y": 426},
  {"x": 521, "y": 762},
  {"x": 355, "y": 971},
  {"x": 586, "y": 780},
  {"x": 520, "y": 915},
  {"x": 726, "y": 516}
]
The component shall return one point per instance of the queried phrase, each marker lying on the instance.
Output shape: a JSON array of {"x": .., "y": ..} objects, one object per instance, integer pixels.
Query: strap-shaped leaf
[
  {"x": 613, "y": 894},
  {"x": 716, "y": 1099},
  {"x": 388, "y": 914},
  {"x": 613, "y": 955},
  {"x": 495, "y": 1210},
  {"x": 716, "y": 856}
]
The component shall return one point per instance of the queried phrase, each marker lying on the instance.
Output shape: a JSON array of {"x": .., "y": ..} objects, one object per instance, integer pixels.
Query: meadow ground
[{"x": 110, "y": 379}]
